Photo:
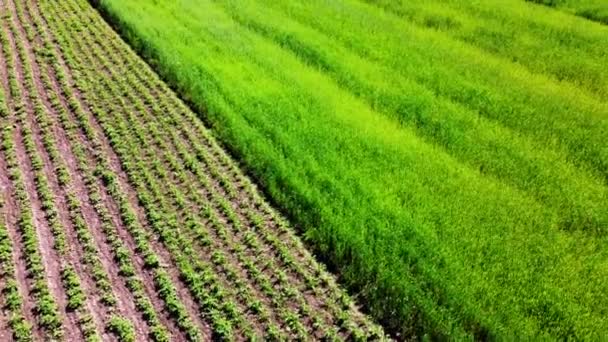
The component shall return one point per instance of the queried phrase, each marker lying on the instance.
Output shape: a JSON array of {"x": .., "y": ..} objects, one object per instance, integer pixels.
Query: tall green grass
[
  {"x": 541, "y": 39},
  {"x": 456, "y": 186}
]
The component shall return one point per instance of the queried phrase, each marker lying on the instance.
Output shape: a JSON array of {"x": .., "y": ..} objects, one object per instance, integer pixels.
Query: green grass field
[{"x": 448, "y": 160}]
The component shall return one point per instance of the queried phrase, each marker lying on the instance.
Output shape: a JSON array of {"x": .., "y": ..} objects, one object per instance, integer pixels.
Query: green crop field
[{"x": 447, "y": 159}]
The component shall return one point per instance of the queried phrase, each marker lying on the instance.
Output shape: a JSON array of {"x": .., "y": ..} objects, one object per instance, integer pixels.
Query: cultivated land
[
  {"x": 121, "y": 218},
  {"x": 448, "y": 159}
]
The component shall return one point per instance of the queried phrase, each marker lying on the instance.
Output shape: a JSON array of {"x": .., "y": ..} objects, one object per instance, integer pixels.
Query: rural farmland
[
  {"x": 355, "y": 170},
  {"x": 122, "y": 219}
]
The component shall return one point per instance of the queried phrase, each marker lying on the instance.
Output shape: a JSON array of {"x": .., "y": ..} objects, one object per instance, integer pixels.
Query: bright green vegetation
[
  {"x": 447, "y": 160},
  {"x": 591, "y": 9}
]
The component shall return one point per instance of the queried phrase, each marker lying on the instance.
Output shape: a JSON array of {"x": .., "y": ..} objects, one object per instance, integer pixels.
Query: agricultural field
[
  {"x": 121, "y": 218},
  {"x": 447, "y": 159}
]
